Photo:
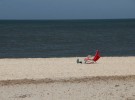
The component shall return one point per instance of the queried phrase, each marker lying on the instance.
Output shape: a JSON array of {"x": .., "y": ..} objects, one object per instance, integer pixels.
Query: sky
[{"x": 67, "y": 9}]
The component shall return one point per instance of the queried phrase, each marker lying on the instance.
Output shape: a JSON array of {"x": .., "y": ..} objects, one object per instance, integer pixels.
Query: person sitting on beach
[{"x": 88, "y": 58}]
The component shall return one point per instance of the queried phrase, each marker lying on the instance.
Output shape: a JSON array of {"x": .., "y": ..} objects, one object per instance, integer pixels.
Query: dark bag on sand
[{"x": 78, "y": 61}]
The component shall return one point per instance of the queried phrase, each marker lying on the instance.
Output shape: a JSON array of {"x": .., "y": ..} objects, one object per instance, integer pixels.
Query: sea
[{"x": 66, "y": 38}]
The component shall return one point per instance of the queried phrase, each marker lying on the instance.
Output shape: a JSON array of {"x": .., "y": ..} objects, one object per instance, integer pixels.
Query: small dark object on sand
[{"x": 78, "y": 61}]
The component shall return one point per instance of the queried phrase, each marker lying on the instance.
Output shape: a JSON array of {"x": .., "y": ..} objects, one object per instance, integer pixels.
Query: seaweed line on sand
[{"x": 63, "y": 80}]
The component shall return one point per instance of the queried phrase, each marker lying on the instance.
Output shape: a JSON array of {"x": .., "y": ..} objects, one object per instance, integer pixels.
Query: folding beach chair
[{"x": 96, "y": 57}]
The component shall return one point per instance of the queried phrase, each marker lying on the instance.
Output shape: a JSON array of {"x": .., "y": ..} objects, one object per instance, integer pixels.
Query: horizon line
[{"x": 75, "y": 19}]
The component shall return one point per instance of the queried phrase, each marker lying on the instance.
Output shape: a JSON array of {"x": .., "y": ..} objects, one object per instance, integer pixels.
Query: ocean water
[{"x": 66, "y": 38}]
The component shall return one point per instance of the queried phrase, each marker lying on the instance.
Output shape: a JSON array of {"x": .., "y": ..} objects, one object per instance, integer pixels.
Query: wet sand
[{"x": 63, "y": 79}]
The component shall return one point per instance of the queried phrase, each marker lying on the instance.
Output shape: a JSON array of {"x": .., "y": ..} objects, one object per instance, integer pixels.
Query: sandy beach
[{"x": 63, "y": 79}]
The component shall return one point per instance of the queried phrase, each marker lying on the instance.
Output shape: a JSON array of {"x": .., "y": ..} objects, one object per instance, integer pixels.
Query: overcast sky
[{"x": 67, "y": 9}]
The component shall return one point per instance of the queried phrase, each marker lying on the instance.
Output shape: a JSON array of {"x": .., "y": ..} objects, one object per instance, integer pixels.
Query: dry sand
[{"x": 63, "y": 79}]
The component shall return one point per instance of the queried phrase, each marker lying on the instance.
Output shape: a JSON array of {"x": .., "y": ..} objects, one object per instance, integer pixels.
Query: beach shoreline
[
  {"x": 63, "y": 79},
  {"x": 51, "y": 68}
]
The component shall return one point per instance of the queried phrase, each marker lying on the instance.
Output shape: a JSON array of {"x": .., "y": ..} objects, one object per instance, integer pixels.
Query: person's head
[{"x": 89, "y": 56}]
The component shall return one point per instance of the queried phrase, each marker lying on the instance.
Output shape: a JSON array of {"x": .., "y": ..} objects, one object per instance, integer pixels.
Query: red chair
[{"x": 96, "y": 57}]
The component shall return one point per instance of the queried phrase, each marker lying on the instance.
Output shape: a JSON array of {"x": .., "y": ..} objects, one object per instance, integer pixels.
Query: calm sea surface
[{"x": 66, "y": 38}]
